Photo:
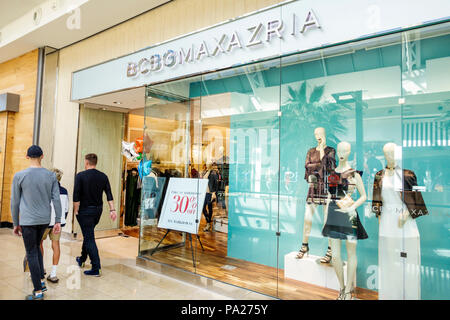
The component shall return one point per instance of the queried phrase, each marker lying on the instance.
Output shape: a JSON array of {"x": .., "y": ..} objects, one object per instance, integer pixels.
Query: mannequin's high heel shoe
[
  {"x": 304, "y": 250},
  {"x": 341, "y": 294},
  {"x": 327, "y": 257},
  {"x": 348, "y": 295}
]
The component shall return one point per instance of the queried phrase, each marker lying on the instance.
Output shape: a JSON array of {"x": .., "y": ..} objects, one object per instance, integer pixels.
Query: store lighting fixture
[
  {"x": 117, "y": 102},
  {"x": 346, "y": 97}
]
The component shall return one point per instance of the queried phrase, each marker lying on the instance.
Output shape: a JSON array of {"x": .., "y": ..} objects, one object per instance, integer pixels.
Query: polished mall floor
[{"x": 121, "y": 278}]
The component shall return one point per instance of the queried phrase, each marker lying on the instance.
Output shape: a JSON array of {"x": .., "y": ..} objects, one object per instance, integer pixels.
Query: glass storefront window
[
  {"x": 316, "y": 165},
  {"x": 171, "y": 126},
  {"x": 424, "y": 153},
  {"x": 338, "y": 108}
]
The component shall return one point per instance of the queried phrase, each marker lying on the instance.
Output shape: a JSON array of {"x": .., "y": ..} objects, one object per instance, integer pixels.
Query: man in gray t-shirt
[{"x": 33, "y": 191}]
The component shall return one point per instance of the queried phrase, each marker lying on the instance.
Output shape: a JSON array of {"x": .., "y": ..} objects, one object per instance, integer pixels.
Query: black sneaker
[
  {"x": 95, "y": 273},
  {"x": 79, "y": 262},
  {"x": 35, "y": 296}
]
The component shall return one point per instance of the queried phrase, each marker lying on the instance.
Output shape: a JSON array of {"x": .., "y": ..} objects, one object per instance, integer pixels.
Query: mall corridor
[{"x": 121, "y": 278}]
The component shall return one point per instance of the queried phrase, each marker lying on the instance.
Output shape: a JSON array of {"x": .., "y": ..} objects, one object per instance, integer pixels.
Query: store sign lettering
[{"x": 226, "y": 43}]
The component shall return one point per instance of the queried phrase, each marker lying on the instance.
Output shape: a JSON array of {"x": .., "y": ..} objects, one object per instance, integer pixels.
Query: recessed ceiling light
[
  {"x": 104, "y": 109},
  {"x": 37, "y": 15},
  {"x": 117, "y": 102}
]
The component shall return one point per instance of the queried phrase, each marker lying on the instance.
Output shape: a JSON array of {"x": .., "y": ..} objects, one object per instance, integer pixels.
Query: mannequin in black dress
[{"x": 342, "y": 218}]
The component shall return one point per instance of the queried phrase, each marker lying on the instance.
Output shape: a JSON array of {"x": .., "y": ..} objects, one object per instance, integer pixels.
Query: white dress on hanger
[{"x": 399, "y": 277}]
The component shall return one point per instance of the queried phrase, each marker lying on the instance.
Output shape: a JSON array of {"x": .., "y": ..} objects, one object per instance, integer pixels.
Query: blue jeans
[
  {"x": 32, "y": 236},
  {"x": 88, "y": 218}
]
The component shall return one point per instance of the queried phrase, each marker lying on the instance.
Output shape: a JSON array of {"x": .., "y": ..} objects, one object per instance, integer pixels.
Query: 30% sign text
[{"x": 184, "y": 204}]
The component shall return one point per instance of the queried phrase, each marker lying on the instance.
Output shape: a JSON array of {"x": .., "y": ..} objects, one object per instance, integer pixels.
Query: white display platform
[{"x": 309, "y": 270}]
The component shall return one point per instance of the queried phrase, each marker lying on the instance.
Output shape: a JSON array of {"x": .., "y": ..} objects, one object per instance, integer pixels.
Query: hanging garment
[
  {"x": 152, "y": 188},
  {"x": 223, "y": 174},
  {"x": 316, "y": 171},
  {"x": 405, "y": 181},
  {"x": 398, "y": 277},
  {"x": 133, "y": 198}
]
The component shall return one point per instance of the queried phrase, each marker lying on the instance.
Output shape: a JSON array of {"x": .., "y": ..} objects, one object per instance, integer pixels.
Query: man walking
[
  {"x": 54, "y": 238},
  {"x": 33, "y": 191},
  {"x": 88, "y": 206}
]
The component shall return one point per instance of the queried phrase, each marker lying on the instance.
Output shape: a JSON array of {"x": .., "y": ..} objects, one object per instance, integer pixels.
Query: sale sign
[{"x": 183, "y": 204}]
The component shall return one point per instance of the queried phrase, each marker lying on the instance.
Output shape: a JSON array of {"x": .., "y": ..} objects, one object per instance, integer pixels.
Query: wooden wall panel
[
  {"x": 166, "y": 22},
  {"x": 136, "y": 121},
  {"x": 101, "y": 133},
  {"x": 17, "y": 76}
]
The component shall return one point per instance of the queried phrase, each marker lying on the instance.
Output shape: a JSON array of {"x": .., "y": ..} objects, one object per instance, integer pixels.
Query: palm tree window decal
[{"x": 301, "y": 114}]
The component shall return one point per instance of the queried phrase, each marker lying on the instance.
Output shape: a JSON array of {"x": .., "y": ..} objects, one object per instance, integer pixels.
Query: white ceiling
[
  {"x": 96, "y": 16},
  {"x": 13, "y": 9},
  {"x": 127, "y": 99}
]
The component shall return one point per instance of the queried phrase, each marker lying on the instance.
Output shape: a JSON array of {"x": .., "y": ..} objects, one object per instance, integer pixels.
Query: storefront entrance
[
  {"x": 104, "y": 123},
  {"x": 255, "y": 132}
]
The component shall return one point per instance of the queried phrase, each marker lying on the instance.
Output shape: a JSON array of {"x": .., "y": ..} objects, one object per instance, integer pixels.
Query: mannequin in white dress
[{"x": 398, "y": 277}]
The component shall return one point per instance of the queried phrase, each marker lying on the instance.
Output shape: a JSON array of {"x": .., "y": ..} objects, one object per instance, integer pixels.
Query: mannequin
[
  {"x": 320, "y": 161},
  {"x": 212, "y": 188},
  {"x": 342, "y": 218},
  {"x": 396, "y": 204}
]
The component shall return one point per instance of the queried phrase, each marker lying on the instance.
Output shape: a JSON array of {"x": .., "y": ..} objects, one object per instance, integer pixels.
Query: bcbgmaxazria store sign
[
  {"x": 259, "y": 34},
  {"x": 293, "y": 26}
]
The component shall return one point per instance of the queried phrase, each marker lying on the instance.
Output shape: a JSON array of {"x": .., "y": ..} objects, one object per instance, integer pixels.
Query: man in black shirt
[{"x": 87, "y": 206}]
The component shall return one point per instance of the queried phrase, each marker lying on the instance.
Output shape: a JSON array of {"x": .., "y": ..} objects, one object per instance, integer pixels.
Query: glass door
[
  {"x": 240, "y": 138},
  {"x": 221, "y": 129},
  {"x": 169, "y": 134}
]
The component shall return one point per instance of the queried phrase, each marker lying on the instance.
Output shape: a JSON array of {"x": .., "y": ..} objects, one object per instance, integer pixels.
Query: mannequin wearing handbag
[{"x": 342, "y": 218}]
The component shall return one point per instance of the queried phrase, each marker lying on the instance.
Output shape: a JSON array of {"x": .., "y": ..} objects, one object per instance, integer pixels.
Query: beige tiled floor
[{"x": 121, "y": 278}]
